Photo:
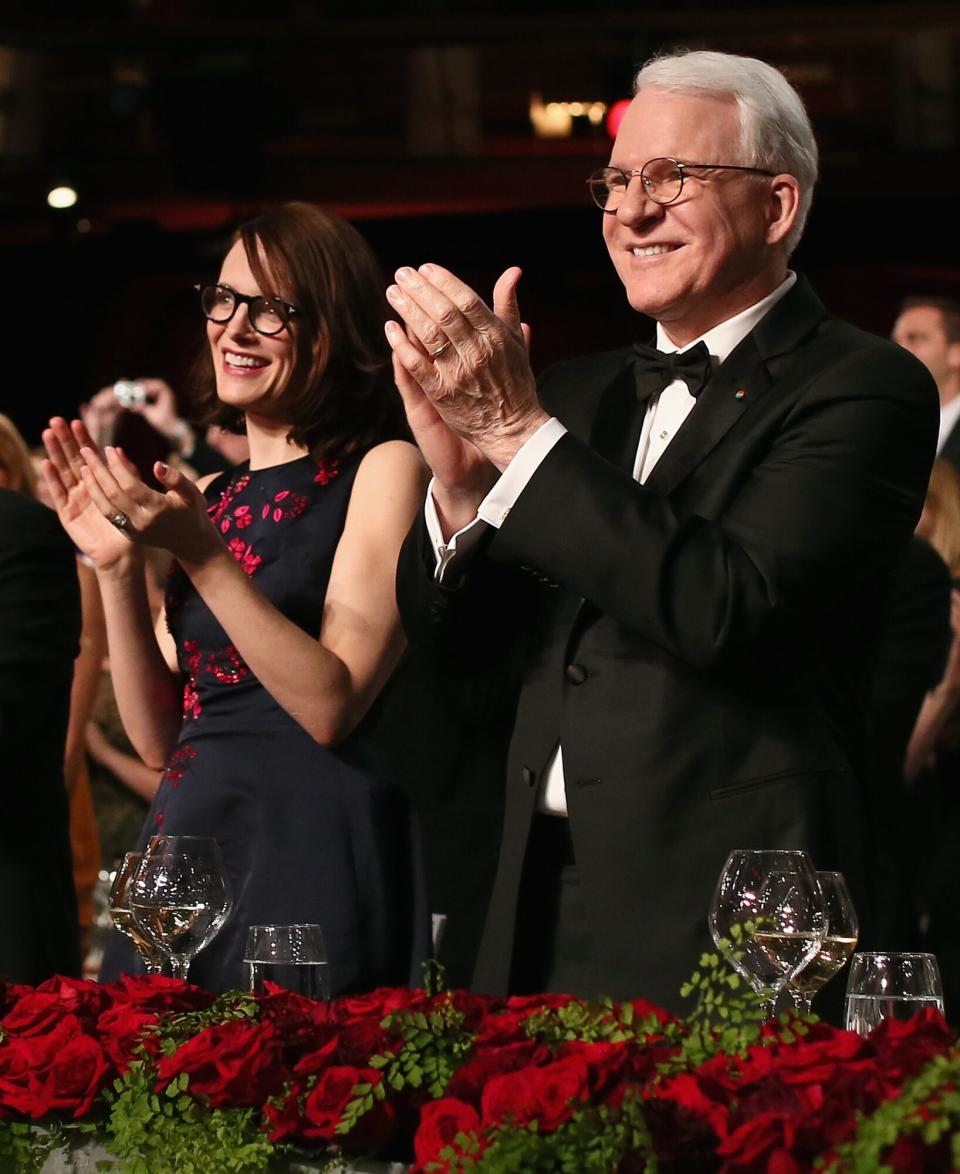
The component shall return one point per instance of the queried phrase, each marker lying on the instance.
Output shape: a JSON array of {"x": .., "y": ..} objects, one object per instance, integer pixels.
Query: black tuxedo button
[
  {"x": 576, "y": 674},
  {"x": 529, "y": 776}
]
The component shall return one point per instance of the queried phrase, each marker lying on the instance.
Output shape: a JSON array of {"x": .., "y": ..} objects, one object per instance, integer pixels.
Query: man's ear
[{"x": 783, "y": 207}]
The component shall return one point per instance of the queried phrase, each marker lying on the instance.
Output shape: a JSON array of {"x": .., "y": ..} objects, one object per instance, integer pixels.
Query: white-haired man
[{"x": 688, "y": 545}]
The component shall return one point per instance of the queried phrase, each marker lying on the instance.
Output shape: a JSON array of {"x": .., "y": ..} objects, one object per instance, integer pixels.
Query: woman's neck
[{"x": 269, "y": 445}]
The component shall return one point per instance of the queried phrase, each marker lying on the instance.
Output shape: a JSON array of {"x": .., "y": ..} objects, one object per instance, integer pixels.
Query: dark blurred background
[{"x": 446, "y": 132}]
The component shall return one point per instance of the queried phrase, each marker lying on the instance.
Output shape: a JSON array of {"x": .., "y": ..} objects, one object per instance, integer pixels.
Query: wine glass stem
[{"x": 180, "y": 967}]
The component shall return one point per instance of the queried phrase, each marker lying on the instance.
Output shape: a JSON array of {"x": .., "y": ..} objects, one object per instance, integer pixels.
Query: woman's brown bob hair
[{"x": 341, "y": 395}]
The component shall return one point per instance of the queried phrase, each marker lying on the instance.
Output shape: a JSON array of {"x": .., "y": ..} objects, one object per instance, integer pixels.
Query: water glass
[
  {"x": 292, "y": 956},
  {"x": 890, "y": 986}
]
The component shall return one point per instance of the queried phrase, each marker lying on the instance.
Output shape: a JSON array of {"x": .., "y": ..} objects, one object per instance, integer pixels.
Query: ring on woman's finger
[
  {"x": 120, "y": 520},
  {"x": 440, "y": 349}
]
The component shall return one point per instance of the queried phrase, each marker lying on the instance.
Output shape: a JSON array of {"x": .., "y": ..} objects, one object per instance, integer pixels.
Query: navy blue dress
[{"x": 308, "y": 833}]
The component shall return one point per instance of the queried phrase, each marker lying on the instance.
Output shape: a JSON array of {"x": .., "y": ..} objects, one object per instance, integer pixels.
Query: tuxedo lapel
[
  {"x": 734, "y": 388},
  {"x": 737, "y": 385}
]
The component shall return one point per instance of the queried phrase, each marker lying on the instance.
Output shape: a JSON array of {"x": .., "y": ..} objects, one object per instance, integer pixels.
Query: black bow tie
[{"x": 656, "y": 370}]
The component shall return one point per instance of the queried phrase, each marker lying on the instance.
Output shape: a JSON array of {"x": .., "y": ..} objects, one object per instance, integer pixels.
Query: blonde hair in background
[
  {"x": 15, "y": 460},
  {"x": 941, "y": 514}
]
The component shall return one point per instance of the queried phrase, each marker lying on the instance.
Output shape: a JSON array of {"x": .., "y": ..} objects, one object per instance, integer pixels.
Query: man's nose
[{"x": 636, "y": 205}]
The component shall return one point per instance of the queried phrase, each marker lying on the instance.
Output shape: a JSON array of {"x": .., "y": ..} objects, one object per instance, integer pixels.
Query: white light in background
[
  {"x": 62, "y": 197},
  {"x": 555, "y": 120}
]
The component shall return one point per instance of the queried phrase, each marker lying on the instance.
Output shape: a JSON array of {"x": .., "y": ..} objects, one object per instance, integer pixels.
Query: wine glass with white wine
[
  {"x": 118, "y": 905},
  {"x": 180, "y": 896},
  {"x": 839, "y": 941},
  {"x": 767, "y": 917}
]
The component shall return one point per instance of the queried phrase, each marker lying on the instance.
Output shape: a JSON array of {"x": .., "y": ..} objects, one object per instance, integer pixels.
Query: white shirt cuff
[
  {"x": 495, "y": 507},
  {"x": 515, "y": 477}
]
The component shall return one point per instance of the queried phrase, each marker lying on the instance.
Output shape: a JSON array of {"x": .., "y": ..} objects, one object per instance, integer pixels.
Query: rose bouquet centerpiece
[{"x": 165, "y": 1076}]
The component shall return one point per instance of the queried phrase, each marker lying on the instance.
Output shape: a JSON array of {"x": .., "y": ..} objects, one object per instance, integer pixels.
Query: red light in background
[{"x": 615, "y": 116}]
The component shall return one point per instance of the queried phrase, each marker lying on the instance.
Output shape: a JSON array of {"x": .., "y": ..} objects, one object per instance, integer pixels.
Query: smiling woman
[{"x": 280, "y": 626}]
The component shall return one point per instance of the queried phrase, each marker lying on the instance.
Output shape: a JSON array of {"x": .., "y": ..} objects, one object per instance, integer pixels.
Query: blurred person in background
[
  {"x": 17, "y": 472},
  {"x": 932, "y": 765},
  {"x": 39, "y": 638},
  {"x": 280, "y": 626},
  {"x": 197, "y": 451},
  {"x": 929, "y": 328}
]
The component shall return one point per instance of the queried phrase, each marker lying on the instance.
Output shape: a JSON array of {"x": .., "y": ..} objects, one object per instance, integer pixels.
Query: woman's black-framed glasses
[
  {"x": 662, "y": 180},
  {"x": 267, "y": 315}
]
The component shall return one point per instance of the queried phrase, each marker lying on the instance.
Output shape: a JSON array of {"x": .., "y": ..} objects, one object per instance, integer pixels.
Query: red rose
[
  {"x": 15, "y": 1072},
  {"x": 754, "y": 1146},
  {"x": 331, "y": 1095},
  {"x": 236, "y": 1063},
  {"x": 77, "y": 995},
  {"x": 121, "y": 1028},
  {"x": 302, "y": 1025},
  {"x": 154, "y": 992},
  {"x": 364, "y": 1039},
  {"x": 316, "y": 1060},
  {"x": 77, "y": 1073},
  {"x": 902, "y": 1049},
  {"x": 687, "y": 1091},
  {"x": 379, "y": 1003},
  {"x": 34, "y": 1014},
  {"x": 440, "y": 1123},
  {"x": 504, "y": 1027},
  {"x": 283, "y": 1118},
  {"x": 326, "y": 1102},
  {"x": 472, "y": 1077},
  {"x": 547, "y": 1095}
]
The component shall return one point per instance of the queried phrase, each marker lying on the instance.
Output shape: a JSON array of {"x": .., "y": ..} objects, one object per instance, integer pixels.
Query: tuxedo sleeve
[{"x": 825, "y": 502}]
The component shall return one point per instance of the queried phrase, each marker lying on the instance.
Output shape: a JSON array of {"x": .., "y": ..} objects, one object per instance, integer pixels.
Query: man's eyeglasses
[
  {"x": 267, "y": 315},
  {"x": 662, "y": 180}
]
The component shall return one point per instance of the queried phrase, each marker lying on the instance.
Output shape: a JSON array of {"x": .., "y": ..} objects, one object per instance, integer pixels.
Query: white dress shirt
[
  {"x": 665, "y": 415},
  {"x": 949, "y": 415}
]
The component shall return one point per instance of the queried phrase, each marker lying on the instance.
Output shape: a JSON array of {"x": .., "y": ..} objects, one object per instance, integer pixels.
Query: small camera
[{"x": 129, "y": 393}]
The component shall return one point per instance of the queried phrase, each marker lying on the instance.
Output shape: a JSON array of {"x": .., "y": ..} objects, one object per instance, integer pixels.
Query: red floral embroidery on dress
[
  {"x": 180, "y": 759},
  {"x": 191, "y": 693},
  {"x": 326, "y": 471},
  {"x": 243, "y": 553},
  {"x": 285, "y": 504},
  {"x": 158, "y": 820},
  {"x": 242, "y": 517},
  {"x": 218, "y": 511},
  {"x": 226, "y": 666}
]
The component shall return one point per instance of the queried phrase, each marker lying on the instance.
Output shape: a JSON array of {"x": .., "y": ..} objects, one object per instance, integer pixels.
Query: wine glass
[
  {"x": 767, "y": 917},
  {"x": 839, "y": 941},
  {"x": 118, "y": 905},
  {"x": 180, "y": 896}
]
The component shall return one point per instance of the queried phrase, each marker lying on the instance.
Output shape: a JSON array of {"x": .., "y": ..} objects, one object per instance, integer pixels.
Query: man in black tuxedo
[
  {"x": 690, "y": 548},
  {"x": 39, "y": 639},
  {"x": 929, "y": 327}
]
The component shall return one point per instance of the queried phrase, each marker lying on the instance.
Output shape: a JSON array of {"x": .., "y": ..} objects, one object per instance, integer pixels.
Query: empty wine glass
[
  {"x": 767, "y": 917},
  {"x": 838, "y": 944},
  {"x": 180, "y": 896},
  {"x": 118, "y": 905}
]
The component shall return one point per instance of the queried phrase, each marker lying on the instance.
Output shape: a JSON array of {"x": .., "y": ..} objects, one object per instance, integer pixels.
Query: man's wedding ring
[
  {"x": 440, "y": 349},
  {"x": 120, "y": 520}
]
